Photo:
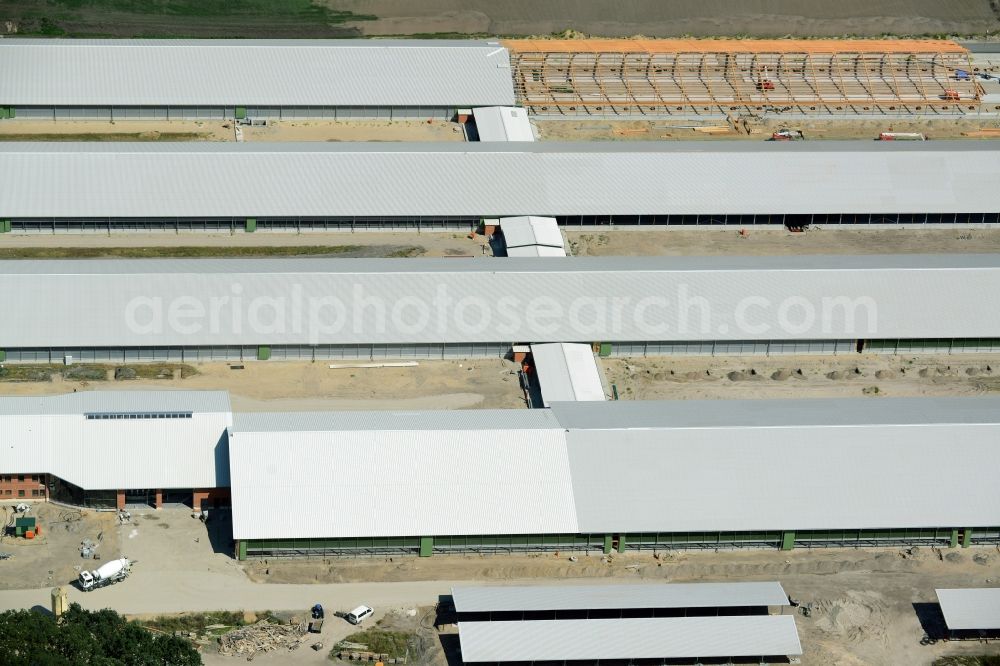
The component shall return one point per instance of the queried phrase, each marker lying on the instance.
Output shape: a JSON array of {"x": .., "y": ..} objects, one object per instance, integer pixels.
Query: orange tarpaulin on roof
[{"x": 733, "y": 46}]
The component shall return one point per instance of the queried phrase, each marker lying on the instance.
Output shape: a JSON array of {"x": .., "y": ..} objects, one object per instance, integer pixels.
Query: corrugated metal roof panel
[
  {"x": 50, "y": 434},
  {"x": 166, "y": 302},
  {"x": 83, "y": 402},
  {"x": 765, "y": 478},
  {"x": 254, "y": 73},
  {"x": 567, "y": 372},
  {"x": 531, "y": 230},
  {"x": 503, "y": 123},
  {"x": 635, "y": 638},
  {"x": 499, "y": 598},
  {"x": 461, "y": 419},
  {"x": 536, "y": 251},
  {"x": 503, "y": 179},
  {"x": 775, "y": 413},
  {"x": 970, "y": 608},
  {"x": 398, "y": 483}
]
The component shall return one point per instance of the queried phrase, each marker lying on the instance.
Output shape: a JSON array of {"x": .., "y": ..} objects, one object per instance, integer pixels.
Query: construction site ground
[
  {"x": 617, "y": 241},
  {"x": 867, "y": 606},
  {"x": 224, "y": 130},
  {"x": 492, "y": 383},
  {"x": 632, "y": 241},
  {"x": 360, "y": 244},
  {"x": 717, "y": 128},
  {"x": 847, "y": 376},
  {"x": 486, "y": 383}
]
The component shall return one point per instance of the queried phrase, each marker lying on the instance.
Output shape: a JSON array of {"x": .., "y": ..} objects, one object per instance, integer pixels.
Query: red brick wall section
[
  {"x": 205, "y": 498},
  {"x": 120, "y": 503},
  {"x": 23, "y": 487}
]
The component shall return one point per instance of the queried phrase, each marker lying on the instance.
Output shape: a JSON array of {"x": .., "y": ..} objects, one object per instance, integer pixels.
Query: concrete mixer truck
[{"x": 106, "y": 574}]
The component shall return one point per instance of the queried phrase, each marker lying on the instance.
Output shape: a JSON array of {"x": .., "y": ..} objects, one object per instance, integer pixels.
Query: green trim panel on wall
[
  {"x": 3, "y": 355},
  {"x": 605, "y": 349},
  {"x": 426, "y": 546},
  {"x": 242, "y": 550},
  {"x": 788, "y": 540},
  {"x": 263, "y": 353},
  {"x": 5, "y": 226},
  {"x": 240, "y": 112},
  {"x": 251, "y": 225}
]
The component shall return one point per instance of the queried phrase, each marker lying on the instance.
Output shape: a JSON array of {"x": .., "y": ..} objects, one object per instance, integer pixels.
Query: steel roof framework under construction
[{"x": 664, "y": 77}]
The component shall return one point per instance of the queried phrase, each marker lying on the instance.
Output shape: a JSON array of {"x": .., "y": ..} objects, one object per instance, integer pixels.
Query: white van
[{"x": 358, "y": 615}]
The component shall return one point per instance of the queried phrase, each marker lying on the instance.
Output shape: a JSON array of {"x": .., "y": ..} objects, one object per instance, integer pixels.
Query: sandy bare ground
[
  {"x": 848, "y": 376},
  {"x": 432, "y": 243},
  {"x": 621, "y": 241},
  {"x": 680, "y": 130},
  {"x": 630, "y": 241},
  {"x": 862, "y": 602},
  {"x": 655, "y": 18},
  {"x": 300, "y": 386},
  {"x": 218, "y": 130},
  {"x": 53, "y": 558},
  {"x": 867, "y": 606}
]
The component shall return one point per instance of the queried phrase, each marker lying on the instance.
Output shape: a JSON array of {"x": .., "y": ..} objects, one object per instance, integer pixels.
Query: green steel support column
[
  {"x": 605, "y": 349},
  {"x": 788, "y": 540},
  {"x": 967, "y": 537},
  {"x": 4, "y": 226},
  {"x": 241, "y": 112},
  {"x": 953, "y": 542},
  {"x": 263, "y": 353},
  {"x": 426, "y": 546},
  {"x": 607, "y": 544},
  {"x": 241, "y": 550},
  {"x": 621, "y": 543},
  {"x": 251, "y": 225},
  {"x": 3, "y": 355},
  {"x": 3, "y": 112}
]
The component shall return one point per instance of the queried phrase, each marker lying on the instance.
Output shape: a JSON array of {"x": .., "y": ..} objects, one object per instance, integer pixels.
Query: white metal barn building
[
  {"x": 53, "y": 187},
  {"x": 971, "y": 612},
  {"x": 119, "y": 80},
  {"x": 111, "y": 448},
  {"x": 619, "y": 476},
  {"x": 318, "y": 309}
]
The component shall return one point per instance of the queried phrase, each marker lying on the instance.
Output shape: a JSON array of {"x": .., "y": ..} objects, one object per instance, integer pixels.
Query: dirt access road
[
  {"x": 633, "y": 241},
  {"x": 655, "y": 18},
  {"x": 618, "y": 241},
  {"x": 364, "y": 244},
  {"x": 488, "y": 383},
  {"x": 606, "y": 129},
  {"x": 867, "y": 606},
  {"x": 218, "y": 130}
]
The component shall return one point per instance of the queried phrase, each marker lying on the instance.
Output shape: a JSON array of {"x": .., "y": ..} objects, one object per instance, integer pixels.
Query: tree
[{"x": 95, "y": 638}]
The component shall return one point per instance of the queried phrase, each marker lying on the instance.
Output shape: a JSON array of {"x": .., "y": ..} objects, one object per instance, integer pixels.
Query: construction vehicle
[
  {"x": 787, "y": 135},
  {"x": 106, "y": 574},
  {"x": 316, "y": 623},
  {"x": 951, "y": 95}
]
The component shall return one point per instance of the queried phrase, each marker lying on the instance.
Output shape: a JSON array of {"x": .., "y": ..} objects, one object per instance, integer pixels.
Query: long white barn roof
[
  {"x": 53, "y": 435},
  {"x": 629, "y": 638},
  {"x": 971, "y": 608},
  {"x": 501, "y": 598},
  {"x": 778, "y": 470},
  {"x": 576, "y": 299},
  {"x": 38, "y": 72},
  {"x": 123, "y": 180},
  {"x": 387, "y": 480}
]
